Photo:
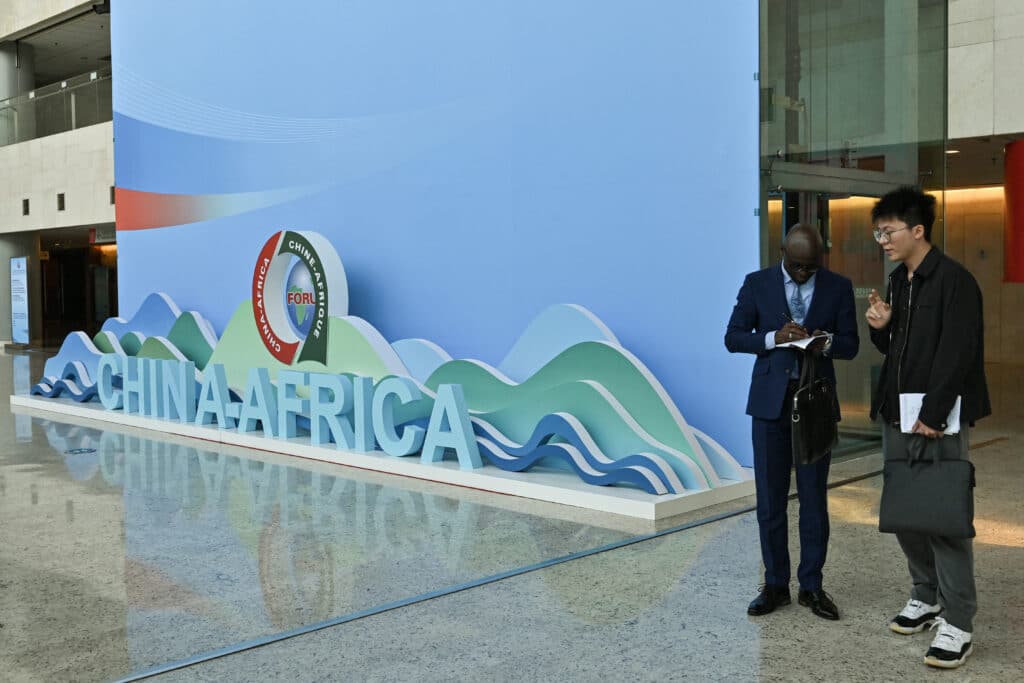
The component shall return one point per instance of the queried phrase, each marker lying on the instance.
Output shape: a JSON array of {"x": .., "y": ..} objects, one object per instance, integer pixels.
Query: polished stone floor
[{"x": 121, "y": 554}]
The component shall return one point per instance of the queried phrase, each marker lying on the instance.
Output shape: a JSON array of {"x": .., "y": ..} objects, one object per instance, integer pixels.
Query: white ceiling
[{"x": 71, "y": 48}]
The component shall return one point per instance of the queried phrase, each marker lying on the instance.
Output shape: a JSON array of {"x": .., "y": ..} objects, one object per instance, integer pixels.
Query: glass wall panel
[{"x": 853, "y": 104}]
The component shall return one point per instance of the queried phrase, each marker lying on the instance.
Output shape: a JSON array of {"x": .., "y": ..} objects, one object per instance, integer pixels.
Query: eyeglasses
[
  {"x": 809, "y": 268},
  {"x": 883, "y": 236}
]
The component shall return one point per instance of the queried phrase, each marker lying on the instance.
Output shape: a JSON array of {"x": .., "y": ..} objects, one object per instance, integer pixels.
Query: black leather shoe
[
  {"x": 820, "y": 603},
  {"x": 768, "y": 599}
]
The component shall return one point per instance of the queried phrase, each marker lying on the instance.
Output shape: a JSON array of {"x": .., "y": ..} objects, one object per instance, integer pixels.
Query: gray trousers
[{"x": 941, "y": 568}]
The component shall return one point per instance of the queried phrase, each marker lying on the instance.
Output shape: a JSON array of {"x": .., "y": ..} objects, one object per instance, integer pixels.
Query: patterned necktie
[
  {"x": 799, "y": 312},
  {"x": 796, "y": 306}
]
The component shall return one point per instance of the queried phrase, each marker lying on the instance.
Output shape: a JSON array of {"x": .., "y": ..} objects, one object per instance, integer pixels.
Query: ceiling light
[{"x": 952, "y": 151}]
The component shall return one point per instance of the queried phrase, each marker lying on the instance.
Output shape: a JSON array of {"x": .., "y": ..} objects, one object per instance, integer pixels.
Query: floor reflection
[
  {"x": 22, "y": 384},
  {"x": 220, "y": 548},
  {"x": 119, "y": 552}
]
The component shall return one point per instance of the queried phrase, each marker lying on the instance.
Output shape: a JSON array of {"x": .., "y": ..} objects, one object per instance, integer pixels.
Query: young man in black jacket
[{"x": 930, "y": 329}]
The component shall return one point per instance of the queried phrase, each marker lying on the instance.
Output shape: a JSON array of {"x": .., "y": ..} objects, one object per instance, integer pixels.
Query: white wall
[
  {"x": 986, "y": 86},
  {"x": 18, "y": 15},
  {"x": 79, "y": 163}
]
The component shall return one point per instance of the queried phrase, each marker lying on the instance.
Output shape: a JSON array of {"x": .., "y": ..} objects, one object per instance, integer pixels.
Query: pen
[{"x": 789, "y": 318}]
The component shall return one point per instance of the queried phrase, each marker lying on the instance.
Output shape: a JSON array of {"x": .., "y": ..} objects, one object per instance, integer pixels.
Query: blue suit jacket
[{"x": 761, "y": 307}]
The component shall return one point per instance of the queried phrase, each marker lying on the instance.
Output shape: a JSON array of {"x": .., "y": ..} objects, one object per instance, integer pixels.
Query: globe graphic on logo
[{"x": 300, "y": 313}]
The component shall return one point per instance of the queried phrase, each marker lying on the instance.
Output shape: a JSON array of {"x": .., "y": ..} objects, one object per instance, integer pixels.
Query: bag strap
[
  {"x": 808, "y": 370},
  {"x": 919, "y": 447},
  {"x": 806, "y": 380}
]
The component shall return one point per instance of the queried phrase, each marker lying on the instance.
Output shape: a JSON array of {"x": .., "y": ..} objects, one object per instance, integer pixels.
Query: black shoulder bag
[{"x": 814, "y": 416}]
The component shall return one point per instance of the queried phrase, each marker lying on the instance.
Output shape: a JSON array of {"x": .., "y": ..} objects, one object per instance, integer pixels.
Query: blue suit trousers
[{"x": 773, "y": 462}]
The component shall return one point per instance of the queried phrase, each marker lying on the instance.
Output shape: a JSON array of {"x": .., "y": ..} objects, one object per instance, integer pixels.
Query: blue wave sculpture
[
  {"x": 74, "y": 379},
  {"x": 420, "y": 357},
  {"x": 577, "y": 449},
  {"x": 64, "y": 386},
  {"x": 77, "y": 347},
  {"x": 156, "y": 316},
  {"x": 569, "y": 454},
  {"x": 157, "y": 312},
  {"x": 578, "y": 454}
]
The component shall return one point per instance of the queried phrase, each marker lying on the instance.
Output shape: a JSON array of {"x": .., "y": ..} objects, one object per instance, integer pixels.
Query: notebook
[{"x": 910, "y": 408}]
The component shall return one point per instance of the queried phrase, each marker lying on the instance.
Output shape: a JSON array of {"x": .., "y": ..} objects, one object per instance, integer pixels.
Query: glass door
[{"x": 844, "y": 222}]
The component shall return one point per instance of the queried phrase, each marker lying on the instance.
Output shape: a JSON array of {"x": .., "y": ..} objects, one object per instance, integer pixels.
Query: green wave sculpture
[
  {"x": 191, "y": 339},
  {"x": 559, "y": 386},
  {"x": 132, "y": 342},
  {"x": 105, "y": 341},
  {"x": 606, "y": 422},
  {"x": 159, "y": 348}
]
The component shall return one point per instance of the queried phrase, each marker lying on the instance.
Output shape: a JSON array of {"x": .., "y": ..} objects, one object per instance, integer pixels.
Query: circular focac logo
[{"x": 297, "y": 285}]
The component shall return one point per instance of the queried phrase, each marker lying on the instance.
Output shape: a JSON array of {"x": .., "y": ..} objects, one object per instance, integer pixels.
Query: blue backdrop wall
[{"x": 472, "y": 162}]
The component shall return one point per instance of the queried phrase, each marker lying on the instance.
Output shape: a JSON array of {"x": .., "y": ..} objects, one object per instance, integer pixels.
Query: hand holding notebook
[{"x": 910, "y": 408}]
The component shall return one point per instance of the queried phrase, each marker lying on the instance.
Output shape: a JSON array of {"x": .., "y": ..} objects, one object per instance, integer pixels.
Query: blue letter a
[{"x": 450, "y": 428}]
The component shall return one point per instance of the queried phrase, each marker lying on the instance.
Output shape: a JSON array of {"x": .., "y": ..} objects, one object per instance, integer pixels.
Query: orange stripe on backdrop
[{"x": 136, "y": 210}]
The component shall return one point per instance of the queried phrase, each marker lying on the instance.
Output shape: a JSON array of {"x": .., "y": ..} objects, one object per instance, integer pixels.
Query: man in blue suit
[{"x": 778, "y": 305}]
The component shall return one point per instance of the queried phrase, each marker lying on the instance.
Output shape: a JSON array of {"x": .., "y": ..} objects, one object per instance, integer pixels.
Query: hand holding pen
[{"x": 791, "y": 331}]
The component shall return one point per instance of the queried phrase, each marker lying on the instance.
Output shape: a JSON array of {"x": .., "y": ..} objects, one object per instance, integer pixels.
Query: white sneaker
[
  {"x": 950, "y": 647},
  {"x": 915, "y": 617}
]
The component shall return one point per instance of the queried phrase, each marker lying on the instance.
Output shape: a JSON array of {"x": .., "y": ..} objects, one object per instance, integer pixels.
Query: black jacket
[{"x": 944, "y": 353}]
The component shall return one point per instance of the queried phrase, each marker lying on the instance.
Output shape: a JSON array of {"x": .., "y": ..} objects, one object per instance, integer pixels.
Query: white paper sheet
[{"x": 910, "y": 408}]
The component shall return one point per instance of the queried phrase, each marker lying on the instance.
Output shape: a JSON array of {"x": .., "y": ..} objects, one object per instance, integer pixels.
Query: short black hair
[{"x": 908, "y": 204}]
